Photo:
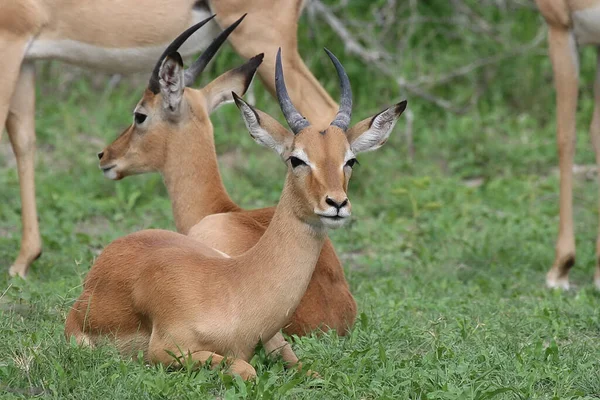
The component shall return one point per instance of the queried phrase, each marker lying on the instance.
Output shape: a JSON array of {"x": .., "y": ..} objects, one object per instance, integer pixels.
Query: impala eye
[
  {"x": 351, "y": 162},
  {"x": 296, "y": 162},
  {"x": 139, "y": 117}
]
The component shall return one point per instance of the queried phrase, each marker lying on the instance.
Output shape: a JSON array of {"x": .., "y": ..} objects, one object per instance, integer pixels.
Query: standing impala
[
  {"x": 126, "y": 36},
  {"x": 181, "y": 147},
  {"x": 167, "y": 295},
  {"x": 570, "y": 22}
]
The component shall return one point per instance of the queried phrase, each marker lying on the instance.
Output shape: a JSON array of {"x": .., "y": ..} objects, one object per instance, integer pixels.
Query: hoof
[
  {"x": 18, "y": 269},
  {"x": 555, "y": 282}
]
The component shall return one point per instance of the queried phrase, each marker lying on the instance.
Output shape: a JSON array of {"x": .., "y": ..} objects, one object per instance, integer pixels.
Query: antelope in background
[
  {"x": 180, "y": 145},
  {"x": 165, "y": 294},
  {"x": 124, "y": 37},
  {"x": 570, "y": 22}
]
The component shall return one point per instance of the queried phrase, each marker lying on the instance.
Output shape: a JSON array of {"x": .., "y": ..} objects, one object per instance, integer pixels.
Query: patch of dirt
[
  {"x": 93, "y": 226},
  {"x": 587, "y": 171}
]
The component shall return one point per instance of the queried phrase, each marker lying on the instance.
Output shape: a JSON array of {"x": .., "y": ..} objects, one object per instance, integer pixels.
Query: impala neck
[
  {"x": 281, "y": 264},
  {"x": 192, "y": 176}
]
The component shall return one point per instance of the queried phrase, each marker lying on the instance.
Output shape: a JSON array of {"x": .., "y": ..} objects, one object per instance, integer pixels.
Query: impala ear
[
  {"x": 264, "y": 129},
  {"x": 371, "y": 133},
  {"x": 171, "y": 82},
  {"x": 218, "y": 92}
]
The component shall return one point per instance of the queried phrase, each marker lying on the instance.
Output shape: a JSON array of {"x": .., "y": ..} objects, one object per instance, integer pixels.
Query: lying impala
[
  {"x": 166, "y": 294},
  {"x": 570, "y": 22},
  {"x": 127, "y": 36},
  {"x": 180, "y": 145}
]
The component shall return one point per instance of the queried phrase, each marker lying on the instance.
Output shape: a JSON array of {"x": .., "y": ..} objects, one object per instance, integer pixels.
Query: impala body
[
  {"x": 181, "y": 146},
  {"x": 127, "y": 36},
  {"x": 570, "y": 22},
  {"x": 166, "y": 294}
]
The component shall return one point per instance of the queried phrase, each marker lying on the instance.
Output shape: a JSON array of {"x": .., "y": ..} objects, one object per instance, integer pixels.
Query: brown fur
[
  {"x": 184, "y": 152},
  {"x": 169, "y": 289}
]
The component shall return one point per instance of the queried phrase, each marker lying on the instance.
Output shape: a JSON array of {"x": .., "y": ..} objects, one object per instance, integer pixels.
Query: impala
[
  {"x": 180, "y": 145},
  {"x": 167, "y": 295},
  {"x": 127, "y": 36},
  {"x": 570, "y": 22}
]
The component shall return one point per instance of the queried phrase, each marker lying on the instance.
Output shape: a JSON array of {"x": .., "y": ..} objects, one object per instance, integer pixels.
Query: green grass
[{"x": 448, "y": 278}]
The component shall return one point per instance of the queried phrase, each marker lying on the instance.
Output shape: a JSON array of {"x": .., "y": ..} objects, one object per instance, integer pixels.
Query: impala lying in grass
[
  {"x": 180, "y": 145},
  {"x": 167, "y": 295}
]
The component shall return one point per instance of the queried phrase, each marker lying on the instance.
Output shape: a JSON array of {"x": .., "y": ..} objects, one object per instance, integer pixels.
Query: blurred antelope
[
  {"x": 122, "y": 37},
  {"x": 180, "y": 145},
  {"x": 166, "y": 294},
  {"x": 570, "y": 22}
]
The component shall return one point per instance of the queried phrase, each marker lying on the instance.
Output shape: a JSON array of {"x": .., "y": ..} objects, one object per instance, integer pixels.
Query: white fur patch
[
  {"x": 110, "y": 174},
  {"x": 221, "y": 253},
  {"x": 120, "y": 60},
  {"x": 301, "y": 154},
  {"x": 586, "y": 25},
  {"x": 378, "y": 133},
  {"x": 257, "y": 132}
]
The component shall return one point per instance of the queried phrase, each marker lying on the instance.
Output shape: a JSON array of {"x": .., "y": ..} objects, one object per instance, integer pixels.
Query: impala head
[
  {"x": 319, "y": 162},
  {"x": 169, "y": 107}
]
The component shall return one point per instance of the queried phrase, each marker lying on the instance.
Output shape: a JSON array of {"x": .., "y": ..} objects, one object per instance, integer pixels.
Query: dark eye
[
  {"x": 296, "y": 162},
  {"x": 139, "y": 117},
  {"x": 350, "y": 163}
]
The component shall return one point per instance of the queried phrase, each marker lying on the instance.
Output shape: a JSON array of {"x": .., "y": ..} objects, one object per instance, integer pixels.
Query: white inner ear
[
  {"x": 378, "y": 133},
  {"x": 171, "y": 84},
  {"x": 260, "y": 135}
]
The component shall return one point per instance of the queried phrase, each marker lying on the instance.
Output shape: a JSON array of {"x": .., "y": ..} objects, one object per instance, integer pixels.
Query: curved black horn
[
  {"x": 294, "y": 119},
  {"x": 342, "y": 119},
  {"x": 198, "y": 66},
  {"x": 154, "y": 84}
]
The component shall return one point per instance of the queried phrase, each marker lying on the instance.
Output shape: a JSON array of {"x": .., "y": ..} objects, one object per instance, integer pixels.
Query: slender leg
[
  {"x": 595, "y": 134},
  {"x": 12, "y": 50},
  {"x": 563, "y": 53},
  {"x": 268, "y": 26},
  {"x": 159, "y": 353},
  {"x": 20, "y": 125}
]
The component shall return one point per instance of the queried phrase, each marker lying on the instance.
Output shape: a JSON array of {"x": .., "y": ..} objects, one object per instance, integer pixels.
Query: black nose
[
  {"x": 100, "y": 155},
  {"x": 336, "y": 204}
]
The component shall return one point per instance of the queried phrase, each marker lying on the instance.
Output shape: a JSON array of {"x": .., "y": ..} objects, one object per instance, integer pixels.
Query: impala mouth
[
  {"x": 333, "y": 217},
  {"x": 110, "y": 172},
  {"x": 333, "y": 221},
  {"x": 106, "y": 169}
]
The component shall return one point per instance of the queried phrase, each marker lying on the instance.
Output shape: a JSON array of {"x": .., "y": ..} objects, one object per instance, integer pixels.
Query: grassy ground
[{"x": 448, "y": 274}]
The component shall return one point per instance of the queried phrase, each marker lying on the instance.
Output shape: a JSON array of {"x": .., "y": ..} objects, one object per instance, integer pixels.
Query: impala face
[
  {"x": 139, "y": 148},
  {"x": 319, "y": 162},
  {"x": 170, "y": 111},
  {"x": 321, "y": 165}
]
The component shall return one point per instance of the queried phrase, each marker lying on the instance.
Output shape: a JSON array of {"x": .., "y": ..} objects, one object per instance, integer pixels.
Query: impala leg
[
  {"x": 563, "y": 53},
  {"x": 271, "y": 24},
  {"x": 159, "y": 353},
  {"x": 277, "y": 345},
  {"x": 12, "y": 50},
  {"x": 20, "y": 125},
  {"x": 595, "y": 134}
]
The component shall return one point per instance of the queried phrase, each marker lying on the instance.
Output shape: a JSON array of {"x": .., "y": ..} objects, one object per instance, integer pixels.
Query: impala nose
[
  {"x": 100, "y": 155},
  {"x": 336, "y": 203}
]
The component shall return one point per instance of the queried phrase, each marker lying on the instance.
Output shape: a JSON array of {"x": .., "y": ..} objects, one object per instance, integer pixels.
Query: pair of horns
[
  {"x": 294, "y": 119},
  {"x": 198, "y": 66}
]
